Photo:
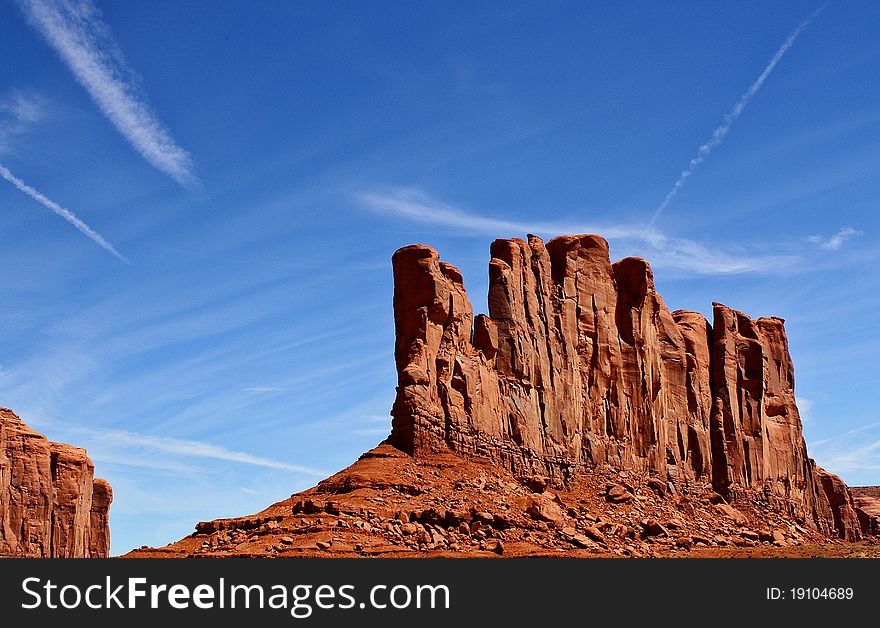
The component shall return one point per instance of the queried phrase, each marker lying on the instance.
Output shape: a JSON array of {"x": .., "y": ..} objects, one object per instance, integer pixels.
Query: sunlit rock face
[{"x": 580, "y": 363}]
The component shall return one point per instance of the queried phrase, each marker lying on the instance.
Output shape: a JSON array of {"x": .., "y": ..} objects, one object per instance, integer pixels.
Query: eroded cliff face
[
  {"x": 850, "y": 522},
  {"x": 51, "y": 506},
  {"x": 867, "y": 504},
  {"x": 580, "y": 363}
]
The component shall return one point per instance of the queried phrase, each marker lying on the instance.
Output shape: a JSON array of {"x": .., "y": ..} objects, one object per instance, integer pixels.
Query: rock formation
[
  {"x": 579, "y": 416},
  {"x": 843, "y": 509},
  {"x": 867, "y": 504},
  {"x": 580, "y": 364},
  {"x": 51, "y": 506}
]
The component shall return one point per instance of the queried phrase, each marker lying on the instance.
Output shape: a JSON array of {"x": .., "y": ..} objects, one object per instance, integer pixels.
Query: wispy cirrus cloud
[
  {"x": 731, "y": 116},
  {"x": 855, "y": 451},
  {"x": 415, "y": 205},
  {"x": 24, "y": 106},
  {"x": 648, "y": 241},
  {"x": 80, "y": 37},
  {"x": 65, "y": 213},
  {"x": 805, "y": 409},
  {"x": 116, "y": 443},
  {"x": 834, "y": 242},
  {"x": 843, "y": 435},
  {"x": 20, "y": 109}
]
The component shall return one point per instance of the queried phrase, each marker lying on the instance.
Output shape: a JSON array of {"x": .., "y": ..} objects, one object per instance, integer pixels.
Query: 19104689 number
[{"x": 821, "y": 593}]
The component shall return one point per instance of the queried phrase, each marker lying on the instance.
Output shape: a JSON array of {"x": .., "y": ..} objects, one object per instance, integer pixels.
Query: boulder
[
  {"x": 729, "y": 512},
  {"x": 618, "y": 494},
  {"x": 545, "y": 509},
  {"x": 652, "y": 527}
]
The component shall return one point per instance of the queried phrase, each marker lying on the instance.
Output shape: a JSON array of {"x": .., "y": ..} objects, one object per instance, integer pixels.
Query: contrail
[
  {"x": 65, "y": 213},
  {"x": 85, "y": 43},
  {"x": 733, "y": 114}
]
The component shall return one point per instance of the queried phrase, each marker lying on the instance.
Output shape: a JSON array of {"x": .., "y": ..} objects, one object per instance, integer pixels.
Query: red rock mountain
[
  {"x": 580, "y": 417},
  {"x": 51, "y": 505},
  {"x": 659, "y": 432},
  {"x": 580, "y": 364}
]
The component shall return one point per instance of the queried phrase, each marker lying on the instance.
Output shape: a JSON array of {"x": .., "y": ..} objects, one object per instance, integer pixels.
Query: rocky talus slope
[
  {"x": 579, "y": 415},
  {"x": 51, "y": 505},
  {"x": 392, "y": 504}
]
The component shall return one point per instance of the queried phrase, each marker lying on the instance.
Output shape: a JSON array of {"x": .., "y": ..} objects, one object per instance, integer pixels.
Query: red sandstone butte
[
  {"x": 580, "y": 363},
  {"x": 51, "y": 505},
  {"x": 579, "y": 416}
]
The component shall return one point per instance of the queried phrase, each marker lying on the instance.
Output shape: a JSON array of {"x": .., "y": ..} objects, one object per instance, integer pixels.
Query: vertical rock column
[
  {"x": 26, "y": 494},
  {"x": 99, "y": 519},
  {"x": 433, "y": 323},
  {"x": 786, "y": 467},
  {"x": 737, "y": 413},
  {"x": 697, "y": 335},
  {"x": 758, "y": 446}
]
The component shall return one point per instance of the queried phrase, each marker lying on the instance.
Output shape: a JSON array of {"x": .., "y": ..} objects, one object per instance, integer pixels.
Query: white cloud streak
[
  {"x": 731, "y": 116},
  {"x": 19, "y": 110},
  {"x": 415, "y": 205},
  {"x": 65, "y": 213},
  {"x": 663, "y": 251},
  {"x": 75, "y": 30},
  {"x": 805, "y": 408},
  {"x": 843, "y": 435},
  {"x": 23, "y": 106},
  {"x": 836, "y": 241},
  {"x": 118, "y": 440},
  {"x": 851, "y": 452}
]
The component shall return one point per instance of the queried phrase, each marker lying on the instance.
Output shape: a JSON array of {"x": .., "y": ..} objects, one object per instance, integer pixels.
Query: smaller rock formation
[
  {"x": 867, "y": 503},
  {"x": 846, "y": 519},
  {"x": 51, "y": 505},
  {"x": 99, "y": 519}
]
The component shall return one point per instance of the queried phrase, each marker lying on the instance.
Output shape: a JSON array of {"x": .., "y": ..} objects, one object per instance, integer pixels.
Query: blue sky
[{"x": 217, "y": 330}]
